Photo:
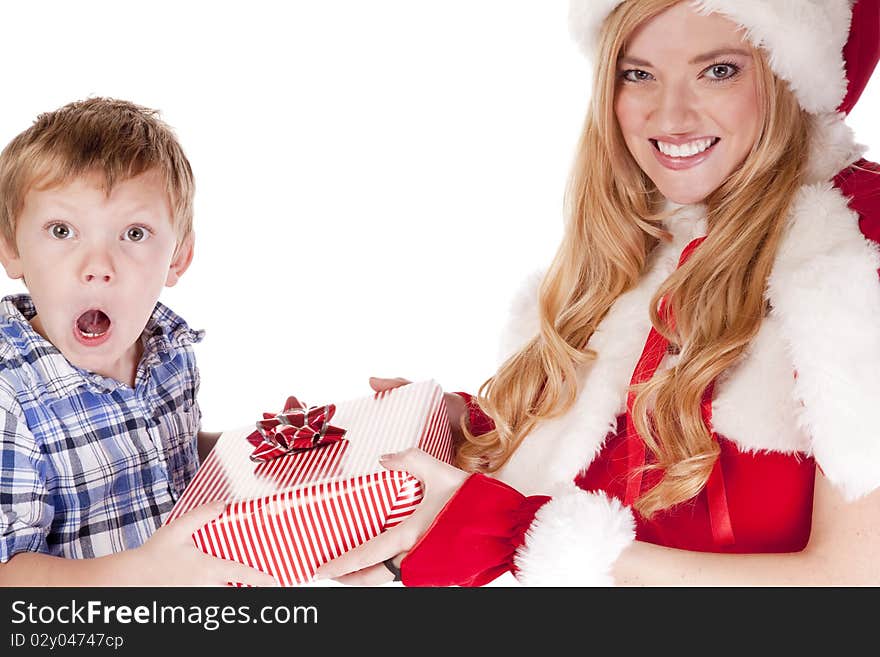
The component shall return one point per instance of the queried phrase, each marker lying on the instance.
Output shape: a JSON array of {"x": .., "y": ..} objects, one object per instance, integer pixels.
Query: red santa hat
[{"x": 825, "y": 49}]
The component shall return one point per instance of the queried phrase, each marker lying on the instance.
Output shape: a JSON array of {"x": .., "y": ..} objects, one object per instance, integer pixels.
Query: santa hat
[{"x": 825, "y": 49}]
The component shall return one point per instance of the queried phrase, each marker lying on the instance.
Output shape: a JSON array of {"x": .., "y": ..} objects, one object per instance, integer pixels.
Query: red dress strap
[
  {"x": 655, "y": 349},
  {"x": 719, "y": 513}
]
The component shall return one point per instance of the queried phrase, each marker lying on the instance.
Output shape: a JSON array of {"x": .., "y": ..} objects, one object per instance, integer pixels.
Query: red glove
[{"x": 473, "y": 539}]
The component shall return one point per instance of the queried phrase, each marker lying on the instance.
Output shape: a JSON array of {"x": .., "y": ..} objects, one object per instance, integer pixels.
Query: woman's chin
[
  {"x": 682, "y": 197},
  {"x": 688, "y": 190}
]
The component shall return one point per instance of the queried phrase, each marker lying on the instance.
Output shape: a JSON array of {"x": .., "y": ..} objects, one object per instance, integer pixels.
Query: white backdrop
[{"x": 374, "y": 178}]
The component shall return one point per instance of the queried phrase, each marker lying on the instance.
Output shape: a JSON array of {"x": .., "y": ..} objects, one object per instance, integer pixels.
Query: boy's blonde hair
[{"x": 113, "y": 138}]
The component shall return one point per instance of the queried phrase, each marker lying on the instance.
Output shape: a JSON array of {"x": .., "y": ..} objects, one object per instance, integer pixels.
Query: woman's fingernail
[{"x": 385, "y": 457}]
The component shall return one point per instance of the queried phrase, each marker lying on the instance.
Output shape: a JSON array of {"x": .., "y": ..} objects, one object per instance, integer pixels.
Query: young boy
[{"x": 99, "y": 424}]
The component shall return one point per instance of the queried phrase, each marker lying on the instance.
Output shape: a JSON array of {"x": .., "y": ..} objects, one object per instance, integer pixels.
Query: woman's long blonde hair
[{"x": 613, "y": 222}]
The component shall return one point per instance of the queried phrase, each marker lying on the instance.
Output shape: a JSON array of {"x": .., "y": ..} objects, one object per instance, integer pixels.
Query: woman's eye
[
  {"x": 720, "y": 72},
  {"x": 635, "y": 75},
  {"x": 136, "y": 234},
  {"x": 60, "y": 231},
  {"x": 715, "y": 73}
]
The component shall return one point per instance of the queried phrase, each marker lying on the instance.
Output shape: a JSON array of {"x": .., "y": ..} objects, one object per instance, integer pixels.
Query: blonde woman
[{"x": 690, "y": 392}]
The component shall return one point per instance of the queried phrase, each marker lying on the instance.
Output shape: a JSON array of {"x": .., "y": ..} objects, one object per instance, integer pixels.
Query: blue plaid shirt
[{"x": 91, "y": 466}]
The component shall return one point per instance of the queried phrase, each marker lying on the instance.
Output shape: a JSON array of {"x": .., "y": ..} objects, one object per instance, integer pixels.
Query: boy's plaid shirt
[{"x": 88, "y": 465}]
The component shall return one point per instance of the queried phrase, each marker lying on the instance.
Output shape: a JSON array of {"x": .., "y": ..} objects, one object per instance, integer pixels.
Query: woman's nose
[{"x": 675, "y": 109}]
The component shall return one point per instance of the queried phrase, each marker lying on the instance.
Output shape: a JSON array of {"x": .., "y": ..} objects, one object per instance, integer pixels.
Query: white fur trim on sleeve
[{"x": 574, "y": 540}]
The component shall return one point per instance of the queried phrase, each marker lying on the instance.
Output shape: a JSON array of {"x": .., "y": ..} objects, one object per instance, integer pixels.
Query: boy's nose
[
  {"x": 97, "y": 277},
  {"x": 97, "y": 269}
]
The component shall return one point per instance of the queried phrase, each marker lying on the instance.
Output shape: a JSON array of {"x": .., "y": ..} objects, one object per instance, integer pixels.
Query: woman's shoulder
[{"x": 860, "y": 182}]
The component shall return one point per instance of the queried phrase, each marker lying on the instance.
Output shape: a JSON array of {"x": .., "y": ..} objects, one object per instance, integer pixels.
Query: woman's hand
[
  {"x": 170, "y": 558},
  {"x": 363, "y": 564},
  {"x": 455, "y": 406}
]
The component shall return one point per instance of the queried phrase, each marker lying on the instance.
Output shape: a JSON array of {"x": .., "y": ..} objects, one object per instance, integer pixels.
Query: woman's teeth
[{"x": 686, "y": 150}]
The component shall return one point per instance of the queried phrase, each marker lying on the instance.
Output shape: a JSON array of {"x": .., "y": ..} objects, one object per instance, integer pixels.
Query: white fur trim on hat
[
  {"x": 585, "y": 18},
  {"x": 804, "y": 39},
  {"x": 574, "y": 540}
]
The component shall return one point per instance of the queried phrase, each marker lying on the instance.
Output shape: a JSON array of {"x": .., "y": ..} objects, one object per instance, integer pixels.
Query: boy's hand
[{"x": 170, "y": 558}]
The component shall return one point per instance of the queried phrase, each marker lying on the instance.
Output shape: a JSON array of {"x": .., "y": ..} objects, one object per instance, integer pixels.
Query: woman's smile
[{"x": 686, "y": 156}]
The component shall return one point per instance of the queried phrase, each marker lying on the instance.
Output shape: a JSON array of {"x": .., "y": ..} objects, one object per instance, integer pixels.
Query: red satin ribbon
[{"x": 652, "y": 355}]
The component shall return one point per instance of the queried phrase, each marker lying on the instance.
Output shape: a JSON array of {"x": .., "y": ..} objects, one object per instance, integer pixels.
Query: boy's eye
[
  {"x": 60, "y": 231},
  {"x": 136, "y": 234}
]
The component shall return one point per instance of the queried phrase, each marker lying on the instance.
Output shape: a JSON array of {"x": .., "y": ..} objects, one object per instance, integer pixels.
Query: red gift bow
[{"x": 295, "y": 429}]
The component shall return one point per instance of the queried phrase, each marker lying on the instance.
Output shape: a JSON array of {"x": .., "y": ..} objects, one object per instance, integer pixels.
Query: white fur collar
[{"x": 825, "y": 299}]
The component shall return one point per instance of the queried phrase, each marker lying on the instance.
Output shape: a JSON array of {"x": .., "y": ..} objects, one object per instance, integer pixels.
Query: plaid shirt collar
[{"x": 57, "y": 377}]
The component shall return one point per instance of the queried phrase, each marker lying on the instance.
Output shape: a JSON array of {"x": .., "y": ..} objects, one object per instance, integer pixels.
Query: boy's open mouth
[{"x": 92, "y": 326}]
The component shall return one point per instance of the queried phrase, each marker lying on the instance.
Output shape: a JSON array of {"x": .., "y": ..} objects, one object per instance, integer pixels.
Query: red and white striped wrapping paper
[{"x": 288, "y": 516}]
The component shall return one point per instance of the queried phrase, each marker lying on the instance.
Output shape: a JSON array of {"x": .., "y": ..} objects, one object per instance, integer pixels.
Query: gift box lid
[{"x": 410, "y": 416}]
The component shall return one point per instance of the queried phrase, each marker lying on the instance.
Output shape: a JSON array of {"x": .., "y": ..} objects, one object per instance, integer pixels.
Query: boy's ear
[
  {"x": 181, "y": 261},
  {"x": 10, "y": 258}
]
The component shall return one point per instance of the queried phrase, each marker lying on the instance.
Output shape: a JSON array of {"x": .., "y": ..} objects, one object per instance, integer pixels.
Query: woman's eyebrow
[{"x": 699, "y": 59}]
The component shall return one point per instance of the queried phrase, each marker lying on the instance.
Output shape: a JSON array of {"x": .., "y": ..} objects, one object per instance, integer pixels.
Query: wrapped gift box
[{"x": 289, "y": 515}]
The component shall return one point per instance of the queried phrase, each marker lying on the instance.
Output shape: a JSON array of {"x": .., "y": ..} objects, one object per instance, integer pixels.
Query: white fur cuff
[{"x": 574, "y": 540}]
